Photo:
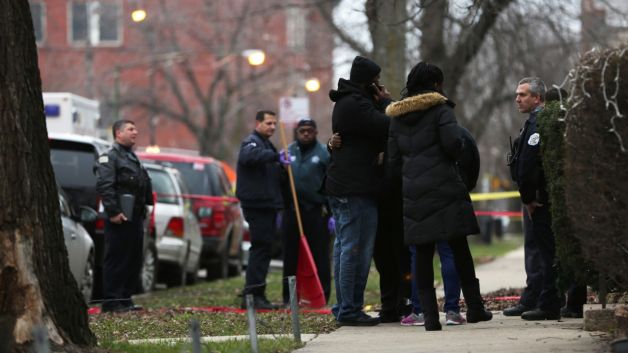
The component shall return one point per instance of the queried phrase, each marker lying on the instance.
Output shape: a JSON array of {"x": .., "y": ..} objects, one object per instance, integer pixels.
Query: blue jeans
[
  {"x": 449, "y": 274},
  {"x": 356, "y": 225}
]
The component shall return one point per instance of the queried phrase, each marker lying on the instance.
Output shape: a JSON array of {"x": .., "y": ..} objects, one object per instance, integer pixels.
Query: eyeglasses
[{"x": 303, "y": 130}]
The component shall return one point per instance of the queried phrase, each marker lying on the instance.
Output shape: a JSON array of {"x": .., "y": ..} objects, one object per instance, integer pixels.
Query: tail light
[
  {"x": 151, "y": 223},
  {"x": 100, "y": 224},
  {"x": 175, "y": 227},
  {"x": 213, "y": 223}
]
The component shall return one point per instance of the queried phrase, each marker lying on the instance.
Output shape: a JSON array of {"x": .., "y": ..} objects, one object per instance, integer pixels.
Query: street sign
[{"x": 293, "y": 109}]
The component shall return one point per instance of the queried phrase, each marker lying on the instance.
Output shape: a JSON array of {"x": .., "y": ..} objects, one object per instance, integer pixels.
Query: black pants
[
  {"x": 532, "y": 256},
  {"x": 392, "y": 257},
  {"x": 549, "y": 299},
  {"x": 262, "y": 225},
  {"x": 462, "y": 258},
  {"x": 318, "y": 238},
  {"x": 123, "y": 262},
  {"x": 576, "y": 297}
]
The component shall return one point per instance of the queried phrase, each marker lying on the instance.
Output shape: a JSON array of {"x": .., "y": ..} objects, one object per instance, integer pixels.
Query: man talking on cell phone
[
  {"x": 354, "y": 180},
  {"x": 124, "y": 187}
]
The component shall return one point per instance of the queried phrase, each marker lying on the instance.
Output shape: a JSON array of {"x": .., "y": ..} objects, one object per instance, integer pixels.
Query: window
[
  {"x": 296, "y": 22},
  {"x": 98, "y": 21},
  {"x": 163, "y": 186},
  {"x": 38, "y": 12}
]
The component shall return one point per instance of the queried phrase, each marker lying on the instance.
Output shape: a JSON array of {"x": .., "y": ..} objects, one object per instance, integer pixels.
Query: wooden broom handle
[{"x": 292, "y": 187}]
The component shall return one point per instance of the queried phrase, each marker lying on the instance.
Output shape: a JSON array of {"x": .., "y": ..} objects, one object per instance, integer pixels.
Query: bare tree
[{"x": 36, "y": 286}]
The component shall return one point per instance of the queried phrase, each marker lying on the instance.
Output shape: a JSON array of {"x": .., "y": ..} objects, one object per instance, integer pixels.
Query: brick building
[
  {"x": 181, "y": 73},
  {"x": 604, "y": 24}
]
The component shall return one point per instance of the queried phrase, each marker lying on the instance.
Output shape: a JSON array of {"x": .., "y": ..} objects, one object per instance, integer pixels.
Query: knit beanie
[{"x": 363, "y": 70}]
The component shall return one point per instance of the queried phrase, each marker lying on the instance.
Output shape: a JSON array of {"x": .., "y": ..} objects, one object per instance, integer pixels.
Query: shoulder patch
[
  {"x": 103, "y": 159},
  {"x": 534, "y": 139},
  {"x": 252, "y": 144}
]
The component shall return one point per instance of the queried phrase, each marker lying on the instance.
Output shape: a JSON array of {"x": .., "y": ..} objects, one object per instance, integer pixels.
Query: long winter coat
[{"x": 424, "y": 143}]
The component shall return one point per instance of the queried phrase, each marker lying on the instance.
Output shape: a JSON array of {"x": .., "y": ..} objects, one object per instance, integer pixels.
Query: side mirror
[
  {"x": 204, "y": 212},
  {"x": 87, "y": 214}
]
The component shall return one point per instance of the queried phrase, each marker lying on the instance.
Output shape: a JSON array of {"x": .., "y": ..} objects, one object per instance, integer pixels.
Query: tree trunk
[
  {"x": 388, "y": 26},
  {"x": 36, "y": 286}
]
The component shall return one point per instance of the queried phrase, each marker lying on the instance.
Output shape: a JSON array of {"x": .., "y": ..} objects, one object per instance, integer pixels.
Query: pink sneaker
[
  {"x": 413, "y": 320},
  {"x": 454, "y": 318}
]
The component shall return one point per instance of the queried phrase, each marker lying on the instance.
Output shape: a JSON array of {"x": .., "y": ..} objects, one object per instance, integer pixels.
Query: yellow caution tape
[{"x": 494, "y": 195}]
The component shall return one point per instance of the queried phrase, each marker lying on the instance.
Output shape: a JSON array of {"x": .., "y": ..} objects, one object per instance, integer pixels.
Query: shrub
[
  {"x": 571, "y": 261},
  {"x": 596, "y": 161}
]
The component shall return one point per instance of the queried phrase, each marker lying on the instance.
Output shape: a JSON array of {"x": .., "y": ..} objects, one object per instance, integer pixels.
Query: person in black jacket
[
  {"x": 354, "y": 179},
  {"x": 258, "y": 187},
  {"x": 527, "y": 171},
  {"x": 119, "y": 175},
  {"x": 424, "y": 144}
]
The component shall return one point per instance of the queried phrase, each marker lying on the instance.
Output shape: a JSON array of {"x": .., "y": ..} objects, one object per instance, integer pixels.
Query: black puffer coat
[
  {"x": 424, "y": 143},
  {"x": 362, "y": 124}
]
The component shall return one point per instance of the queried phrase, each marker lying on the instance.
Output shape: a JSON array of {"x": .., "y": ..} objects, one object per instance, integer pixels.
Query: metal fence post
[
  {"x": 294, "y": 309},
  {"x": 195, "y": 333},
  {"x": 250, "y": 310}
]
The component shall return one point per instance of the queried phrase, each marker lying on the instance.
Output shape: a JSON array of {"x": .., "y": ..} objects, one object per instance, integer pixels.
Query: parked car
[
  {"x": 178, "y": 236},
  {"x": 216, "y": 207},
  {"x": 81, "y": 253},
  {"x": 73, "y": 159}
]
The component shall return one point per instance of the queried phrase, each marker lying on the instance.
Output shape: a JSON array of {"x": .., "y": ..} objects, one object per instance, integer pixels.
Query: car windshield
[
  {"x": 73, "y": 168},
  {"x": 163, "y": 186}
]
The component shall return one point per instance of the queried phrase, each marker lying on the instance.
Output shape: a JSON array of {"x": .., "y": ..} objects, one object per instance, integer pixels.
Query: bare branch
[{"x": 326, "y": 14}]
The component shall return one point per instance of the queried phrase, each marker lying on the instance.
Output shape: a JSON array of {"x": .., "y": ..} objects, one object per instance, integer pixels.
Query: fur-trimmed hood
[{"x": 420, "y": 102}]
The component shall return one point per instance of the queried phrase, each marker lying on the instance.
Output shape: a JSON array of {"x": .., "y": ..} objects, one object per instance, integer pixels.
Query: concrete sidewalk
[{"x": 502, "y": 334}]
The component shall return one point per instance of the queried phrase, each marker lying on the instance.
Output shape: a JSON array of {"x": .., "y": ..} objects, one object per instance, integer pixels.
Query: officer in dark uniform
[
  {"x": 125, "y": 189},
  {"x": 527, "y": 171},
  {"x": 259, "y": 190}
]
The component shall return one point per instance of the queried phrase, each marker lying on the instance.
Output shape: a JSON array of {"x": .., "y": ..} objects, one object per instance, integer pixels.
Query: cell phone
[{"x": 371, "y": 88}]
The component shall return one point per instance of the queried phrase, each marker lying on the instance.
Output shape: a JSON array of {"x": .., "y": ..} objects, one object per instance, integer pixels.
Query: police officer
[
  {"x": 309, "y": 164},
  {"x": 527, "y": 171},
  {"x": 125, "y": 189},
  {"x": 259, "y": 189}
]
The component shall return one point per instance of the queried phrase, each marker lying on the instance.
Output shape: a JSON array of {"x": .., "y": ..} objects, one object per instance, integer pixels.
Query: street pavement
[{"x": 502, "y": 334}]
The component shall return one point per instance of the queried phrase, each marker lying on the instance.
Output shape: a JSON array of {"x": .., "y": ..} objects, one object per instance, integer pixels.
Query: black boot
[
  {"x": 427, "y": 297},
  {"x": 475, "y": 304}
]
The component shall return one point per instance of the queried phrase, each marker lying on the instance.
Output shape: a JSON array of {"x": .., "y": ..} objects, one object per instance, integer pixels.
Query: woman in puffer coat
[{"x": 424, "y": 144}]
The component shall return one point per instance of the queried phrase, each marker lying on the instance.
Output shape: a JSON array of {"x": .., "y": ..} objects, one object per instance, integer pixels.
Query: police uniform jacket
[
  {"x": 118, "y": 172},
  {"x": 527, "y": 168},
  {"x": 308, "y": 168},
  {"x": 424, "y": 144},
  {"x": 259, "y": 174}
]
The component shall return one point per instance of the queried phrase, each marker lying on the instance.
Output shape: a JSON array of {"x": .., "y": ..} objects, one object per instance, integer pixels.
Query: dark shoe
[
  {"x": 570, "y": 313},
  {"x": 475, "y": 305},
  {"x": 260, "y": 303},
  {"x": 134, "y": 307},
  {"x": 114, "y": 309},
  {"x": 387, "y": 317},
  {"x": 430, "y": 309},
  {"x": 516, "y": 310},
  {"x": 361, "y": 320},
  {"x": 539, "y": 314}
]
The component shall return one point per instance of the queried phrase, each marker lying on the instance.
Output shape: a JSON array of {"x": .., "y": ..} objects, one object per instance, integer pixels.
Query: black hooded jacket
[
  {"x": 424, "y": 144},
  {"x": 354, "y": 168}
]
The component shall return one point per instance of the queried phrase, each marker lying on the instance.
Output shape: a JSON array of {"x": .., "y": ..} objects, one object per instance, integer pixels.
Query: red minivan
[{"x": 216, "y": 207}]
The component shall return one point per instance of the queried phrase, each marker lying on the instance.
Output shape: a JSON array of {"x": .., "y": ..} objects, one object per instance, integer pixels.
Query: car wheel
[
  {"x": 87, "y": 281},
  {"x": 149, "y": 269}
]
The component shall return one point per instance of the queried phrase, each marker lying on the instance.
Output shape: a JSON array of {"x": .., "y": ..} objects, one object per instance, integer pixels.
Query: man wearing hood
[{"x": 353, "y": 181}]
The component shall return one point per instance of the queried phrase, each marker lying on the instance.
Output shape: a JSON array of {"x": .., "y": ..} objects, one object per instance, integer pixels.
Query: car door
[
  {"x": 193, "y": 232},
  {"x": 71, "y": 238}
]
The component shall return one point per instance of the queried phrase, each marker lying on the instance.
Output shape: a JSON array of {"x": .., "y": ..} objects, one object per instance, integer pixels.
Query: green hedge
[
  {"x": 571, "y": 261},
  {"x": 596, "y": 162}
]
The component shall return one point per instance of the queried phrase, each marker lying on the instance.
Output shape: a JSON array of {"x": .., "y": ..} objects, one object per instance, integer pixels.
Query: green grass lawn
[{"x": 168, "y": 313}]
